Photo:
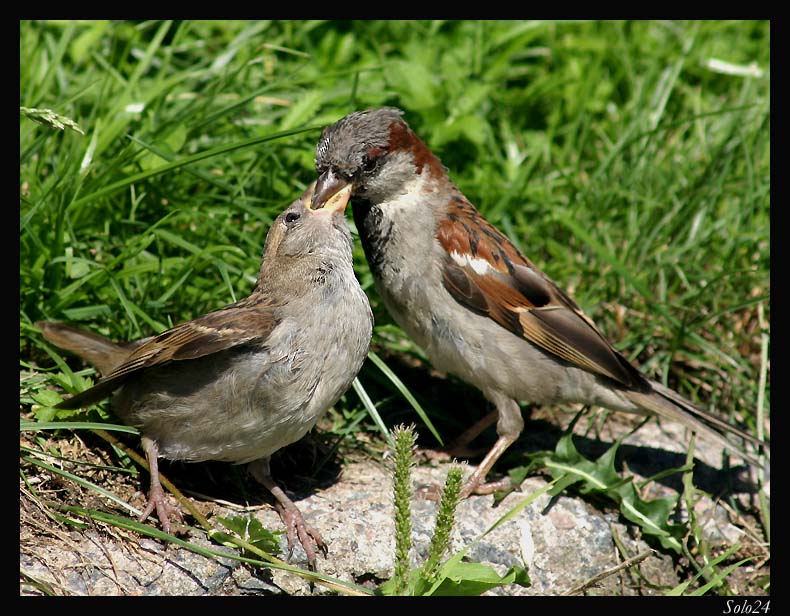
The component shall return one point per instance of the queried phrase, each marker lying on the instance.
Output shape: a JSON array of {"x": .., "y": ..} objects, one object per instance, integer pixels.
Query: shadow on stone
[{"x": 452, "y": 406}]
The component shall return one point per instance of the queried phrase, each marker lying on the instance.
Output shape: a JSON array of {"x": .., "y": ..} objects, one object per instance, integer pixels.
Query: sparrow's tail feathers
[
  {"x": 104, "y": 354},
  {"x": 99, "y": 351},
  {"x": 666, "y": 403}
]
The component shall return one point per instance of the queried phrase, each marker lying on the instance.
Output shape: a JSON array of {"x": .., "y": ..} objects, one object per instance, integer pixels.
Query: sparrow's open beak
[{"x": 332, "y": 192}]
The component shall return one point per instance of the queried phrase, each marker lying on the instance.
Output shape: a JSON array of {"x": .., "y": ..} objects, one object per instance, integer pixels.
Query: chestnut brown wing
[{"x": 486, "y": 273}]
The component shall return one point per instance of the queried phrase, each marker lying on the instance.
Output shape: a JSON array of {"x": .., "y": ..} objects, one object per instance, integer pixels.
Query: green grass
[{"x": 617, "y": 155}]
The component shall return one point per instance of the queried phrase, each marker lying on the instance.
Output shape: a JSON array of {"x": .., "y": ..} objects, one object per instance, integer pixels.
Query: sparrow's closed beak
[{"x": 331, "y": 192}]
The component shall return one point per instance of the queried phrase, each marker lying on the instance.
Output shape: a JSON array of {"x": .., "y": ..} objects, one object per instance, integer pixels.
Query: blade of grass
[
  {"x": 222, "y": 149},
  {"x": 83, "y": 482},
  {"x": 371, "y": 408},
  {"x": 26, "y": 425},
  {"x": 399, "y": 385}
]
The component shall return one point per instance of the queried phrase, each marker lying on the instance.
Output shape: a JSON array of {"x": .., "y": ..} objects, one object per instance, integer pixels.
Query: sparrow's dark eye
[
  {"x": 291, "y": 217},
  {"x": 369, "y": 164}
]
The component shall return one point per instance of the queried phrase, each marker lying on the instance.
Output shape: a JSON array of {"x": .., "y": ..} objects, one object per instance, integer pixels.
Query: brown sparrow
[
  {"x": 478, "y": 307},
  {"x": 239, "y": 383}
]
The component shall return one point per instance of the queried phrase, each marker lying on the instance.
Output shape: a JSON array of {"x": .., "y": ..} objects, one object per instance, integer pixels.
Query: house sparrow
[
  {"x": 239, "y": 383},
  {"x": 478, "y": 307}
]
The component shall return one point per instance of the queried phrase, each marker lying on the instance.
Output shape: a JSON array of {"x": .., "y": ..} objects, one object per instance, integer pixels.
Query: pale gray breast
[{"x": 228, "y": 406}]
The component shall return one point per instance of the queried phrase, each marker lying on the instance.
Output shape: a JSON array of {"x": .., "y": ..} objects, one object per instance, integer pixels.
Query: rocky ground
[{"x": 565, "y": 542}]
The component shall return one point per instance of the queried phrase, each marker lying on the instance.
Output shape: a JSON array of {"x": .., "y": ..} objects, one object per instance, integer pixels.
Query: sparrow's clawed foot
[
  {"x": 297, "y": 528},
  {"x": 295, "y": 525},
  {"x": 157, "y": 499}
]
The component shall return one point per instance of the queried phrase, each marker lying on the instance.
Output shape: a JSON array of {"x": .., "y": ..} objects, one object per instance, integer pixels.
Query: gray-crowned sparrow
[
  {"x": 242, "y": 382},
  {"x": 478, "y": 307}
]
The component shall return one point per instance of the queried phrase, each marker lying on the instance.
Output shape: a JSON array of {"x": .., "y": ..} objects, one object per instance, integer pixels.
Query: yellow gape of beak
[{"x": 335, "y": 203}]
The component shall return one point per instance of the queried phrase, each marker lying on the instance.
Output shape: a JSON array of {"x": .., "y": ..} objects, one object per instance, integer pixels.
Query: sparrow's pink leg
[
  {"x": 474, "y": 484},
  {"x": 156, "y": 495},
  {"x": 295, "y": 526},
  {"x": 509, "y": 427}
]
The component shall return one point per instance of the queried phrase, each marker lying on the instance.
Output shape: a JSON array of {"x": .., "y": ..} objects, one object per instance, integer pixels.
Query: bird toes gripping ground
[
  {"x": 164, "y": 509},
  {"x": 481, "y": 489},
  {"x": 156, "y": 495},
  {"x": 297, "y": 528},
  {"x": 474, "y": 485}
]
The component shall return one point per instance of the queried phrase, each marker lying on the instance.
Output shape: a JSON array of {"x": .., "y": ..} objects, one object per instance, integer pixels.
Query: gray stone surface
[{"x": 563, "y": 546}]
